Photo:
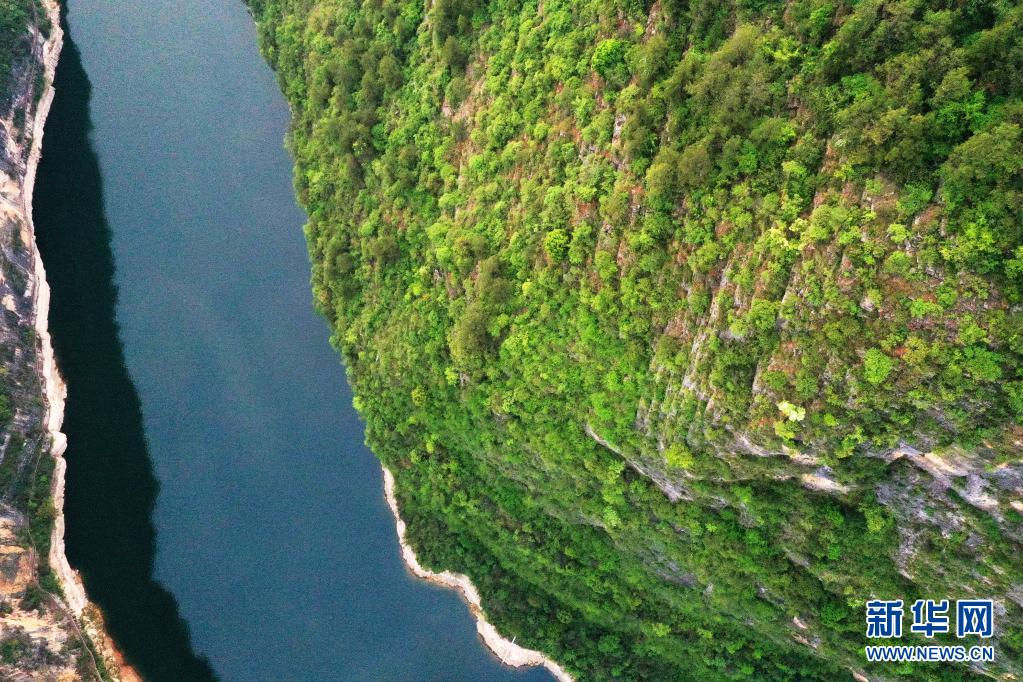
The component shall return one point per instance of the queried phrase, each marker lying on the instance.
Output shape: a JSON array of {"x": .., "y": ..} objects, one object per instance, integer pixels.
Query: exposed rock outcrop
[{"x": 505, "y": 649}]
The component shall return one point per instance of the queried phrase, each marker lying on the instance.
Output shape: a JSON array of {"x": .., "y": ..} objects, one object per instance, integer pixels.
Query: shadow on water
[{"x": 111, "y": 488}]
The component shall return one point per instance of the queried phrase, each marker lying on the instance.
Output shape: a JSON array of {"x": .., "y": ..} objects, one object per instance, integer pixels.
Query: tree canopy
[{"x": 640, "y": 301}]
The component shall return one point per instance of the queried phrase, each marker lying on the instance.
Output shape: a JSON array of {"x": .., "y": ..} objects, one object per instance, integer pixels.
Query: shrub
[{"x": 877, "y": 366}]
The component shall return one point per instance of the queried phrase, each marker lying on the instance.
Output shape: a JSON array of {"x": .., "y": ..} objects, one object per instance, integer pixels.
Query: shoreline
[
  {"x": 507, "y": 651},
  {"x": 54, "y": 389}
]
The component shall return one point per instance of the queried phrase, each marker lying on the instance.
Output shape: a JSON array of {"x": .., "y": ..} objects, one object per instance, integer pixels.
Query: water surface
[{"x": 183, "y": 323}]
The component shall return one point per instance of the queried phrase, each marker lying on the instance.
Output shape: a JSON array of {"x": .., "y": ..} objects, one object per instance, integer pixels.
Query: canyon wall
[{"x": 48, "y": 629}]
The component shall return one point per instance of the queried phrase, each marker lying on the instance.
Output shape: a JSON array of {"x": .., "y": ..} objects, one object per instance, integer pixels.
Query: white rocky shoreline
[
  {"x": 507, "y": 651},
  {"x": 55, "y": 390},
  {"x": 53, "y": 385}
]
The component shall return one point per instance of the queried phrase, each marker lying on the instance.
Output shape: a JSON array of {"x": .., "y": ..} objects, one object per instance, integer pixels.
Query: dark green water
[{"x": 220, "y": 503}]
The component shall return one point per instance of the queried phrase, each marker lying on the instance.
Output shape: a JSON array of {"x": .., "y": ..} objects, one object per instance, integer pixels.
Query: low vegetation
[{"x": 15, "y": 39}]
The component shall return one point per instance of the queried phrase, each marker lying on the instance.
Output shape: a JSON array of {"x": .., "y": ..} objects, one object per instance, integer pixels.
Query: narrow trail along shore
[{"x": 506, "y": 650}]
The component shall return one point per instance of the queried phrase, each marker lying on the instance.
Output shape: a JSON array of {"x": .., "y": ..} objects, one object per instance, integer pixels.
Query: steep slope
[
  {"x": 47, "y": 629},
  {"x": 685, "y": 327}
]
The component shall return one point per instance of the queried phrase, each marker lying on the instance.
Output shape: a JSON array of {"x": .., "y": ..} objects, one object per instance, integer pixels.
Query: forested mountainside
[{"x": 685, "y": 327}]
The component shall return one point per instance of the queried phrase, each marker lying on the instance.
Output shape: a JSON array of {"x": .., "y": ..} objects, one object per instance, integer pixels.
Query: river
[{"x": 221, "y": 505}]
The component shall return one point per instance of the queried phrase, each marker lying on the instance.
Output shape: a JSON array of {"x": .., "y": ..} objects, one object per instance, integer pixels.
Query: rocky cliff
[{"x": 48, "y": 630}]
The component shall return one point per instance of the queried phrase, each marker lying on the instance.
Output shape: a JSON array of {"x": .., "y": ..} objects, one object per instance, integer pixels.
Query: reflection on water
[
  {"x": 111, "y": 488},
  {"x": 272, "y": 534}
]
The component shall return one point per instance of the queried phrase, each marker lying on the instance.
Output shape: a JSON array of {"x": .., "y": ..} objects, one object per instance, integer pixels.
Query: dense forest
[
  {"x": 16, "y": 16},
  {"x": 13, "y": 35},
  {"x": 686, "y": 327}
]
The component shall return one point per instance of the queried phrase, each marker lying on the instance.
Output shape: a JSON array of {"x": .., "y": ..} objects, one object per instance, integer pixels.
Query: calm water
[{"x": 221, "y": 505}]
